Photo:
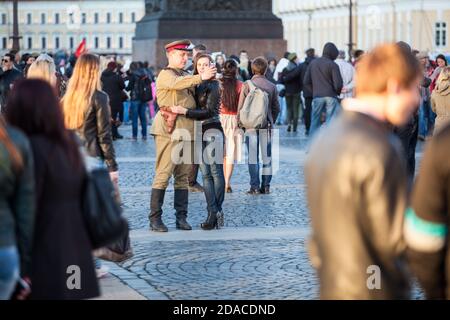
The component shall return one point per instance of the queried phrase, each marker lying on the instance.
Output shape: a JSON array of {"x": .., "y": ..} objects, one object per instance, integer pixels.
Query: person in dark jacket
[
  {"x": 427, "y": 222},
  {"x": 207, "y": 96},
  {"x": 60, "y": 236},
  {"x": 291, "y": 78},
  {"x": 17, "y": 208},
  {"x": 409, "y": 132},
  {"x": 138, "y": 107},
  {"x": 8, "y": 75},
  {"x": 324, "y": 76},
  {"x": 113, "y": 85},
  {"x": 357, "y": 184},
  {"x": 270, "y": 73},
  {"x": 307, "y": 89}
]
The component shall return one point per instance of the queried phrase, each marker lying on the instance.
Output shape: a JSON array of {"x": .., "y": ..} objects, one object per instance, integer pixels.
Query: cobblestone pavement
[{"x": 260, "y": 254}]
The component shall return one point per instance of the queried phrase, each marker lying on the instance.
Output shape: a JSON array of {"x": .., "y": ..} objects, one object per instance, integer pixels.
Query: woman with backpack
[{"x": 207, "y": 95}]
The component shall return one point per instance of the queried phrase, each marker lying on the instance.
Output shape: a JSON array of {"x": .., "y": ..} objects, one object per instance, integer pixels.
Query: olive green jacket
[{"x": 175, "y": 88}]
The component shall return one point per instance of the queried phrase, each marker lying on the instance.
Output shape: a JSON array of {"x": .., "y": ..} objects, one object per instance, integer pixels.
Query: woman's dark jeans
[{"x": 212, "y": 172}]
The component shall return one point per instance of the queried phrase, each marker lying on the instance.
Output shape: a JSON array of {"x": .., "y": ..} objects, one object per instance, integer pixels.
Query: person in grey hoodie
[{"x": 324, "y": 76}]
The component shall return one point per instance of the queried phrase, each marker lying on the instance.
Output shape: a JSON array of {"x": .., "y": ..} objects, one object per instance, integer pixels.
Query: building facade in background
[
  {"x": 311, "y": 23},
  {"x": 50, "y": 26}
]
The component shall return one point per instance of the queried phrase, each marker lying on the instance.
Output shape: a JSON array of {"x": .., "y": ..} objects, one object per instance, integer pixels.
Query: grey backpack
[{"x": 254, "y": 112}]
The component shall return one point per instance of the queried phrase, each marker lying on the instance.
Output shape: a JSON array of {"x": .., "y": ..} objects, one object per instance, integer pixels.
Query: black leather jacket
[
  {"x": 207, "y": 96},
  {"x": 357, "y": 190},
  {"x": 96, "y": 131}
]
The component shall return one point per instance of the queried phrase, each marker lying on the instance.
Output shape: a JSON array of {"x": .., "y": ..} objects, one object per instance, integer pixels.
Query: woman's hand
[
  {"x": 178, "y": 110},
  {"x": 209, "y": 73},
  {"x": 24, "y": 287}
]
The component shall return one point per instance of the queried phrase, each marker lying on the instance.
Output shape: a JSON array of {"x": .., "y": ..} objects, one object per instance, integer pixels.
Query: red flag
[{"x": 81, "y": 48}]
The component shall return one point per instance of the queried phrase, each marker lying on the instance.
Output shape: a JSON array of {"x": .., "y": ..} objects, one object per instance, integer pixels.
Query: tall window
[
  {"x": 3, "y": 18},
  {"x": 120, "y": 42},
  {"x": 4, "y": 43},
  {"x": 108, "y": 17},
  {"x": 43, "y": 18},
  {"x": 83, "y": 18},
  {"x": 56, "y": 18},
  {"x": 57, "y": 43},
  {"x": 96, "y": 42},
  {"x": 96, "y": 18},
  {"x": 29, "y": 18},
  {"x": 441, "y": 34},
  {"x": 44, "y": 43},
  {"x": 30, "y": 43},
  {"x": 71, "y": 43},
  {"x": 120, "y": 17},
  {"x": 108, "y": 42},
  {"x": 133, "y": 17}
]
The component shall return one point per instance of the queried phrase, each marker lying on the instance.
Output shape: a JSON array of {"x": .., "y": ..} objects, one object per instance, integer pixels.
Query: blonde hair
[
  {"x": 387, "y": 61},
  {"x": 443, "y": 76},
  {"x": 84, "y": 82},
  {"x": 43, "y": 68}
]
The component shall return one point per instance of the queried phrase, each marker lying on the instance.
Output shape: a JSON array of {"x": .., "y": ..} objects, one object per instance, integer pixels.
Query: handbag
[{"x": 101, "y": 210}]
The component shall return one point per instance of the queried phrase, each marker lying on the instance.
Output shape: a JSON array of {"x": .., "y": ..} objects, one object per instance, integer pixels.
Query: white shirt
[{"x": 348, "y": 74}]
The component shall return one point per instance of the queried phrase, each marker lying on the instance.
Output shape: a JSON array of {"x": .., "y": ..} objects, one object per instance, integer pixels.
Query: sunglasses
[{"x": 6, "y": 60}]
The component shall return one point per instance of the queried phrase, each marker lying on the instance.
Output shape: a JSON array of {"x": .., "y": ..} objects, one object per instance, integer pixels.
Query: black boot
[
  {"x": 180, "y": 204},
  {"x": 156, "y": 203},
  {"x": 211, "y": 222}
]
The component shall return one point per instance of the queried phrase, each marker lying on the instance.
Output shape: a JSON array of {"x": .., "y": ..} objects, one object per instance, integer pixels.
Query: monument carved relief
[{"x": 156, "y": 6}]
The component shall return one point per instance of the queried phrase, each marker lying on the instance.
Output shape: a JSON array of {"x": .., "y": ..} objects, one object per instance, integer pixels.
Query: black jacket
[
  {"x": 427, "y": 225},
  {"x": 113, "y": 85},
  {"x": 7, "y": 78},
  {"x": 132, "y": 84},
  {"x": 207, "y": 96},
  {"x": 357, "y": 191},
  {"x": 306, "y": 88},
  {"x": 96, "y": 131},
  {"x": 60, "y": 235},
  {"x": 323, "y": 74},
  {"x": 17, "y": 205},
  {"x": 292, "y": 79}
]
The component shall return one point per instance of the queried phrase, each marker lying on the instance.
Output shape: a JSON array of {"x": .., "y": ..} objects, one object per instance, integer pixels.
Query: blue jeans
[
  {"x": 321, "y": 105},
  {"x": 426, "y": 118},
  {"x": 138, "y": 110},
  {"x": 213, "y": 178},
  {"x": 256, "y": 141},
  {"x": 9, "y": 271}
]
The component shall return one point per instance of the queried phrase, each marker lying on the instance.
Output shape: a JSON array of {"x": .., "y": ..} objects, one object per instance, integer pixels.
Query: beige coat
[
  {"x": 440, "y": 104},
  {"x": 175, "y": 88}
]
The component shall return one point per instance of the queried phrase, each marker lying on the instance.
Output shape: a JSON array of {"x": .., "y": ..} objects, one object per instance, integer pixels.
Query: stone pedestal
[{"x": 227, "y": 26}]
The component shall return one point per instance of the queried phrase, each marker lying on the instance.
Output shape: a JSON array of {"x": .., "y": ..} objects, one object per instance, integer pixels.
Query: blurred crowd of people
[{"x": 364, "y": 118}]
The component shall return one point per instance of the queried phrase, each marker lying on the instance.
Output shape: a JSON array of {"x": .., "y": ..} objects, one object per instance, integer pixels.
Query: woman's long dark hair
[
  {"x": 229, "y": 82},
  {"x": 34, "y": 108}
]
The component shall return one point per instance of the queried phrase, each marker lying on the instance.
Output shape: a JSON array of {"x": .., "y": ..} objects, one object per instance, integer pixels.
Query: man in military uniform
[{"x": 174, "y": 87}]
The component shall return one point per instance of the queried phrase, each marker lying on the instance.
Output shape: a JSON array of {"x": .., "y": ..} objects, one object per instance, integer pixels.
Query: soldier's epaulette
[{"x": 178, "y": 73}]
